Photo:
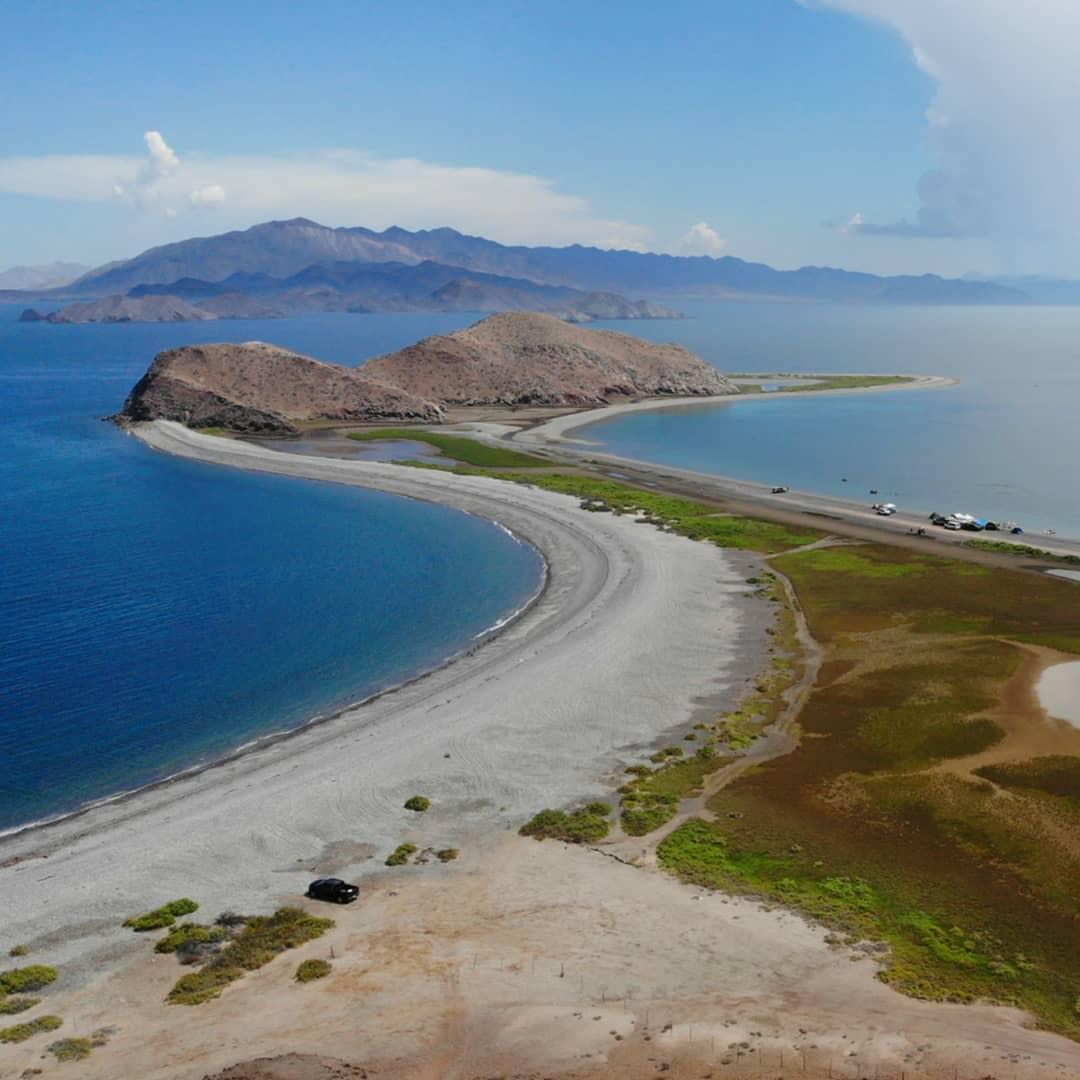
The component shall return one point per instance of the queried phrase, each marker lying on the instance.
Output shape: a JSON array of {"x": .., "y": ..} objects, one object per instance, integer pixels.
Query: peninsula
[{"x": 510, "y": 359}]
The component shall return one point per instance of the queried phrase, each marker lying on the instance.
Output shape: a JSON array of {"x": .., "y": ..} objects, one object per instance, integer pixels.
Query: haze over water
[{"x": 1003, "y": 443}]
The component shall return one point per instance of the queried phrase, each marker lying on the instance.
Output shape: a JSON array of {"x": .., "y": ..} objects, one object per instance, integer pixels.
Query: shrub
[
  {"x": 183, "y": 906},
  {"x": 21, "y": 980},
  {"x": 163, "y": 916},
  {"x": 22, "y": 1032},
  {"x": 447, "y": 854},
  {"x": 188, "y": 934},
  {"x": 230, "y": 919},
  {"x": 419, "y": 803},
  {"x": 580, "y": 827},
  {"x": 70, "y": 1049},
  {"x": 263, "y": 938},
  {"x": 18, "y": 950},
  {"x": 150, "y": 920},
  {"x": 9, "y": 1006},
  {"x": 310, "y": 970},
  {"x": 401, "y": 855}
]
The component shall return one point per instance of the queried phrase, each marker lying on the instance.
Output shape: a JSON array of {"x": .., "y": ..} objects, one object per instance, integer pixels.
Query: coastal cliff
[
  {"x": 256, "y": 387},
  {"x": 515, "y": 358},
  {"x": 522, "y": 358}
]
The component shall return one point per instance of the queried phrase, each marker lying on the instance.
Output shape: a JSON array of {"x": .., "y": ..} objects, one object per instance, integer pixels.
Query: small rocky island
[{"x": 512, "y": 359}]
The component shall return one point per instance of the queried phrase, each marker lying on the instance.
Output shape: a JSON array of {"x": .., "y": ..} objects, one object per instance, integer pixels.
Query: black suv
[{"x": 333, "y": 890}]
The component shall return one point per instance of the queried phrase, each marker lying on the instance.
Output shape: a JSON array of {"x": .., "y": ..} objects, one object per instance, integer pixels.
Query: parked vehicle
[
  {"x": 333, "y": 890},
  {"x": 779, "y": 490},
  {"x": 884, "y": 509},
  {"x": 952, "y": 524}
]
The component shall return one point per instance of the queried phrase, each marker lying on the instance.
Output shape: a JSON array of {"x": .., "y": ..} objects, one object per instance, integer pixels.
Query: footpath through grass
[
  {"x": 966, "y": 885},
  {"x": 457, "y": 448}
]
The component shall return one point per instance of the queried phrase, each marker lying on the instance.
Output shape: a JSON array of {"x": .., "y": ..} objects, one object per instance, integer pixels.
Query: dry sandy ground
[
  {"x": 636, "y": 631},
  {"x": 531, "y": 959}
]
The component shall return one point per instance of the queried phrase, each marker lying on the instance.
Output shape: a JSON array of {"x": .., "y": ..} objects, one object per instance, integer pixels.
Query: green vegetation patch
[
  {"x": 310, "y": 970},
  {"x": 448, "y": 854},
  {"x": 26, "y": 979},
  {"x": 847, "y": 382},
  {"x": 466, "y": 451},
  {"x": 401, "y": 855},
  {"x": 1003, "y": 547},
  {"x": 21, "y": 1032},
  {"x": 695, "y": 520},
  {"x": 652, "y": 798},
  {"x": 419, "y": 803},
  {"x": 9, "y": 1006},
  {"x": 18, "y": 950},
  {"x": 1056, "y": 774},
  {"x": 183, "y": 937},
  {"x": 584, "y": 826},
  {"x": 161, "y": 917},
  {"x": 262, "y": 938},
  {"x": 875, "y": 587},
  {"x": 76, "y": 1049}
]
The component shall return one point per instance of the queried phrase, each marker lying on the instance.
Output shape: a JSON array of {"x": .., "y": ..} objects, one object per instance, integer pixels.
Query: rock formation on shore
[
  {"x": 522, "y": 358},
  {"x": 516, "y": 358},
  {"x": 255, "y": 387}
]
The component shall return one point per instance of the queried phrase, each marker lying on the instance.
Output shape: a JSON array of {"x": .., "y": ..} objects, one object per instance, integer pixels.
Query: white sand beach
[{"x": 635, "y": 630}]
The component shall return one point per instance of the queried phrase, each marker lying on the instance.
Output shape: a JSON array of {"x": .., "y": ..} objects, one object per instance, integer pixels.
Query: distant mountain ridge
[
  {"x": 50, "y": 276},
  {"x": 283, "y": 249}
]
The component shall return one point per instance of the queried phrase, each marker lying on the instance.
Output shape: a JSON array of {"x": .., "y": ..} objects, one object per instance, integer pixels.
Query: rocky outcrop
[
  {"x": 521, "y": 358},
  {"x": 118, "y": 309},
  {"x": 260, "y": 388}
]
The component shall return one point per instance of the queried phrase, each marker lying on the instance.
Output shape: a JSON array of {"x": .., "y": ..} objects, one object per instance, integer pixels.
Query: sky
[{"x": 893, "y": 136}]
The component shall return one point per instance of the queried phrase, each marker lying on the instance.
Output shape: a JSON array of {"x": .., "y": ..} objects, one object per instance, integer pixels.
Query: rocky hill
[
  {"x": 515, "y": 358},
  {"x": 522, "y": 358},
  {"x": 123, "y": 309},
  {"x": 256, "y": 387}
]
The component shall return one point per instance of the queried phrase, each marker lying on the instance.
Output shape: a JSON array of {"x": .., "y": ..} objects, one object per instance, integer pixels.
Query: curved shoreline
[
  {"x": 554, "y": 435},
  {"x": 634, "y": 631}
]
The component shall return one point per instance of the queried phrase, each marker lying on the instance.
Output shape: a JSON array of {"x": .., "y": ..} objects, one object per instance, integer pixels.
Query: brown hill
[
  {"x": 258, "y": 387},
  {"x": 519, "y": 358}
]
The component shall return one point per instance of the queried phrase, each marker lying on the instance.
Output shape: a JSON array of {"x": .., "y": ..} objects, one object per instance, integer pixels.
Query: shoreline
[
  {"x": 554, "y": 435},
  {"x": 271, "y": 738},
  {"x": 526, "y": 718}
]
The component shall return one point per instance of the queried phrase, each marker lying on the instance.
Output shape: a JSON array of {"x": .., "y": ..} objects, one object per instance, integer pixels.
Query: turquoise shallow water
[
  {"x": 156, "y": 613},
  {"x": 1003, "y": 443}
]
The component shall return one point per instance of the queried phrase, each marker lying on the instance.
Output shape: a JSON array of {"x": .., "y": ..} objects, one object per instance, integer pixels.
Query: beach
[{"x": 635, "y": 631}]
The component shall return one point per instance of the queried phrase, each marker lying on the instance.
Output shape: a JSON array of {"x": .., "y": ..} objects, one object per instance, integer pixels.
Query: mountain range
[{"x": 299, "y": 265}]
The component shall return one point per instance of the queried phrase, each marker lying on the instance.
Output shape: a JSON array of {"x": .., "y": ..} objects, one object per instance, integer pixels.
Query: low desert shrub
[
  {"x": 70, "y": 1049},
  {"x": 447, "y": 854},
  {"x": 182, "y": 937},
  {"x": 583, "y": 826},
  {"x": 9, "y": 1006},
  {"x": 18, "y": 950},
  {"x": 419, "y": 803},
  {"x": 401, "y": 855},
  {"x": 24, "y": 980},
  {"x": 310, "y": 970},
  {"x": 22, "y": 1032},
  {"x": 262, "y": 938},
  {"x": 161, "y": 917}
]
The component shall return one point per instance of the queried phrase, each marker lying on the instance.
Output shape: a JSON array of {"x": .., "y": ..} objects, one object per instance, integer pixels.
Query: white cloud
[
  {"x": 211, "y": 195},
  {"x": 337, "y": 187},
  {"x": 163, "y": 159},
  {"x": 701, "y": 239},
  {"x": 1002, "y": 121}
]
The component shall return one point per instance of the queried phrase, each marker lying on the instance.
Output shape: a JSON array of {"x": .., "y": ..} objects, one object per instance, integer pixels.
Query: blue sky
[{"x": 789, "y": 132}]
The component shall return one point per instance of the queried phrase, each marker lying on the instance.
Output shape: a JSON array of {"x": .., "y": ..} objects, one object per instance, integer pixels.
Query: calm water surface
[
  {"x": 1004, "y": 443},
  {"x": 156, "y": 613}
]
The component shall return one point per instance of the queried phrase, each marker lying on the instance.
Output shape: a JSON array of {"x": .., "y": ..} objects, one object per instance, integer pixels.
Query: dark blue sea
[
  {"x": 156, "y": 613},
  {"x": 1004, "y": 443}
]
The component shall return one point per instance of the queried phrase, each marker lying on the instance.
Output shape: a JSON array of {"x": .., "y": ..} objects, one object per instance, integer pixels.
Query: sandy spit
[{"x": 634, "y": 630}]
